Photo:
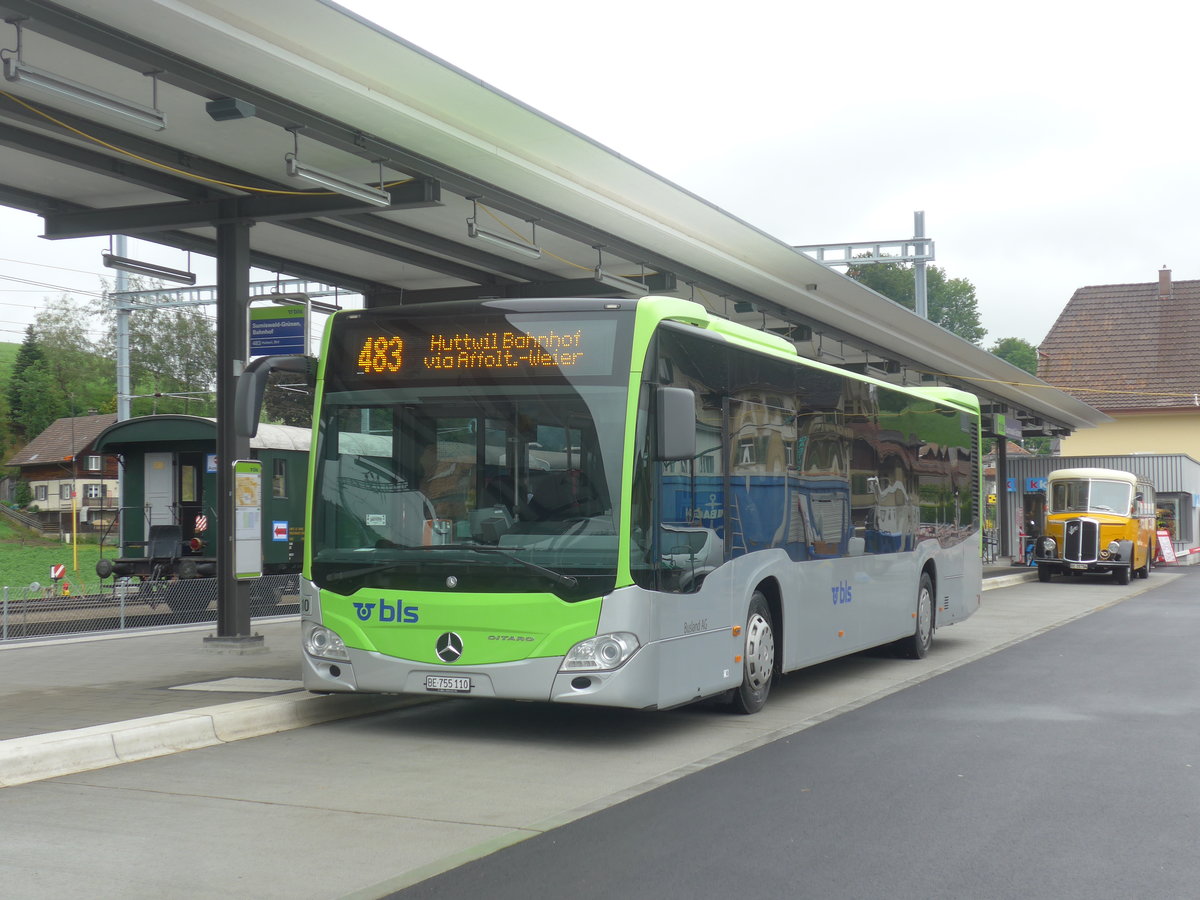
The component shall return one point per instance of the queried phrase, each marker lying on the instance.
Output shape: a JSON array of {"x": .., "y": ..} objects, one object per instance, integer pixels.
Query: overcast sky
[{"x": 1050, "y": 144}]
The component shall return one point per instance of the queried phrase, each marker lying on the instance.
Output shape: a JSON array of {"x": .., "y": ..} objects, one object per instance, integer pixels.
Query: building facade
[{"x": 72, "y": 487}]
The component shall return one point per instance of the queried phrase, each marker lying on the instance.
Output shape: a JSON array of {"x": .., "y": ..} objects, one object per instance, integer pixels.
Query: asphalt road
[{"x": 1065, "y": 766}]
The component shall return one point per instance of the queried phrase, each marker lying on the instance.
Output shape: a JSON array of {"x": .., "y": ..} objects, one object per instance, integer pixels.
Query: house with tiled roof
[
  {"x": 64, "y": 473},
  {"x": 1132, "y": 351}
]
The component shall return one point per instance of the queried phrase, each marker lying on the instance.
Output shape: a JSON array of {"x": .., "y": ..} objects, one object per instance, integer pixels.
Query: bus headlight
[
  {"x": 324, "y": 643},
  {"x": 1047, "y": 546},
  {"x": 1114, "y": 549},
  {"x": 601, "y": 653}
]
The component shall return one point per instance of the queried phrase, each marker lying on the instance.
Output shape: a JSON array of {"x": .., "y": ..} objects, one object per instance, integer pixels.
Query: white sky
[{"x": 1050, "y": 144}]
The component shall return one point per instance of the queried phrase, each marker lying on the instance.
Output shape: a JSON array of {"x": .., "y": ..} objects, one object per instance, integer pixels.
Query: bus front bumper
[{"x": 633, "y": 685}]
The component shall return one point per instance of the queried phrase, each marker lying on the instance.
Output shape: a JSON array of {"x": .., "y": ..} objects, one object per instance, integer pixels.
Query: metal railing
[
  {"x": 28, "y": 612},
  {"x": 21, "y": 518}
]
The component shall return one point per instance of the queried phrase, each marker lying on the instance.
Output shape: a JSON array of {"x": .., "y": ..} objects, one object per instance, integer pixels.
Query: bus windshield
[
  {"x": 476, "y": 452},
  {"x": 1087, "y": 495}
]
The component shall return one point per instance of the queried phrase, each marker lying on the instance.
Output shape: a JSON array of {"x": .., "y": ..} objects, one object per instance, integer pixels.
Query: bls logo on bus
[
  {"x": 388, "y": 612},
  {"x": 841, "y": 593}
]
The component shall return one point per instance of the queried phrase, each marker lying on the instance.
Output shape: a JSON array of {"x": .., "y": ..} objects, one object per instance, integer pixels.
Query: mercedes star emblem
[{"x": 449, "y": 647}]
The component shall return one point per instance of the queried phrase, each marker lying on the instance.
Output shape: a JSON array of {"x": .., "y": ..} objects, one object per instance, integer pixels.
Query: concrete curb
[
  {"x": 42, "y": 756},
  {"x": 1020, "y": 576}
]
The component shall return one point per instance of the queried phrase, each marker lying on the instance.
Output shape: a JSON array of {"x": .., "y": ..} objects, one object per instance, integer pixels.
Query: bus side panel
[{"x": 959, "y": 586}]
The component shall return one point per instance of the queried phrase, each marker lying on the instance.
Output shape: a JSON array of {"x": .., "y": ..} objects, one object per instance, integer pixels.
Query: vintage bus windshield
[{"x": 1088, "y": 495}]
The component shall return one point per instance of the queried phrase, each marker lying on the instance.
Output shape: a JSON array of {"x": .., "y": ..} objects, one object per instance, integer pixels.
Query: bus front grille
[{"x": 1081, "y": 540}]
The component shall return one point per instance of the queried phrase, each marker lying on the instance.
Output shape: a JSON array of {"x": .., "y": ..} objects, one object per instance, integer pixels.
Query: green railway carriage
[{"x": 168, "y": 521}]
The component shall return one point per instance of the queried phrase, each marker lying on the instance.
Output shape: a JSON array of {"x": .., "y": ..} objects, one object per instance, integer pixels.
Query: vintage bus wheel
[
  {"x": 1144, "y": 571},
  {"x": 758, "y": 659},
  {"x": 917, "y": 645},
  {"x": 1121, "y": 574},
  {"x": 1045, "y": 573}
]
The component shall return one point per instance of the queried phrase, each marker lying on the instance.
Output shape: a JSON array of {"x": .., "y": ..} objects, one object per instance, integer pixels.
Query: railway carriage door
[
  {"x": 190, "y": 493},
  {"x": 160, "y": 489}
]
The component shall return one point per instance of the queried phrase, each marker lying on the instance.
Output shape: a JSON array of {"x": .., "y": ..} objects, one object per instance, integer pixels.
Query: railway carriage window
[
  {"x": 189, "y": 479},
  {"x": 279, "y": 486}
]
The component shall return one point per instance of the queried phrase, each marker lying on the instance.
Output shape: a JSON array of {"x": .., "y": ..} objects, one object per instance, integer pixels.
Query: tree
[
  {"x": 29, "y": 354},
  {"x": 287, "y": 401},
  {"x": 952, "y": 301},
  {"x": 1023, "y": 355},
  {"x": 172, "y": 357},
  {"x": 79, "y": 377},
  {"x": 1017, "y": 351},
  {"x": 176, "y": 354}
]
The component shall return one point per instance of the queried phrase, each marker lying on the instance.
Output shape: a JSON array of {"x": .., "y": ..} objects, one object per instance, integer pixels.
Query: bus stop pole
[{"x": 233, "y": 291}]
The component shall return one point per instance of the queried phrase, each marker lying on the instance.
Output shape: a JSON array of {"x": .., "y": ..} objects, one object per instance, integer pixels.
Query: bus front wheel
[
  {"x": 1121, "y": 574},
  {"x": 917, "y": 645},
  {"x": 758, "y": 658}
]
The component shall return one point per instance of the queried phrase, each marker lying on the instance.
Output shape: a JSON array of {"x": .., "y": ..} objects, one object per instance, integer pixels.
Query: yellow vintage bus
[{"x": 1097, "y": 520}]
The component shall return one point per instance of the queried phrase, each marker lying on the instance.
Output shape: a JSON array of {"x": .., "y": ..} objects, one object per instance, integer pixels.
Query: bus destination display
[
  {"x": 455, "y": 351},
  {"x": 464, "y": 350}
]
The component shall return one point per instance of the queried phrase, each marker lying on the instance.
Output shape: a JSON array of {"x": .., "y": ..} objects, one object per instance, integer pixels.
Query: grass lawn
[{"x": 26, "y": 557}]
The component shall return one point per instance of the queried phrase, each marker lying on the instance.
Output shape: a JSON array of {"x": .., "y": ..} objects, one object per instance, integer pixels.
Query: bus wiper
[
  {"x": 557, "y": 577},
  {"x": 364, "y": 570}
]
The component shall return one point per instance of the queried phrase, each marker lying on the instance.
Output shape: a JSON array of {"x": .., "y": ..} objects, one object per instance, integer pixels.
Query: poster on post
[{"x": 247, "y": 518}]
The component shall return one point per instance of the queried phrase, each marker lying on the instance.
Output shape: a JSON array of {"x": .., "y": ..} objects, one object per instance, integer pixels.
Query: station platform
[{"x": 74, "y": 704}]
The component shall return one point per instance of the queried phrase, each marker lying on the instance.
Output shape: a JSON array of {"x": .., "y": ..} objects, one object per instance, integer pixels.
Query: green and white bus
[{"x": 627, "y": 503}]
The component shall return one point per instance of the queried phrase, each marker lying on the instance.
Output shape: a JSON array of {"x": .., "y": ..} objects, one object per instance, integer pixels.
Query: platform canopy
[{"x": 162, "y": 120}]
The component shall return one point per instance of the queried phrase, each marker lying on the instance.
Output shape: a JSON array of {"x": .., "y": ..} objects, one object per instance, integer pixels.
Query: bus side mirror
[
  {"x": 252, "y": 383},
  {"x": 676, "y": 423}
]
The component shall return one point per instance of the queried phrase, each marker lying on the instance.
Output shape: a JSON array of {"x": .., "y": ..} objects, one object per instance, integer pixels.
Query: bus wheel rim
[
  {"x": 760, "y": 652},
  {"x": 925, "y": 616}
]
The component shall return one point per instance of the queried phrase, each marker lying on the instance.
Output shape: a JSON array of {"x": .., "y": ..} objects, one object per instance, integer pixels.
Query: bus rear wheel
[
  {"x": 1144, "y": 571},
  {"x": 758, "y": 658},
  {"x": 916, "y": 645}
]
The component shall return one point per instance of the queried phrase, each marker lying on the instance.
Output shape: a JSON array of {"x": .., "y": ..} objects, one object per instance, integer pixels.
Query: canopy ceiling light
[
  {"x": 337, "y": 183},
  {"x": 153, "y": 270},
  {"x": 334, "y": 182},
  {"x": 18, "y": 71},
  {"x": 531, "y": 249},
  {"x": 626, "y": 285}
]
